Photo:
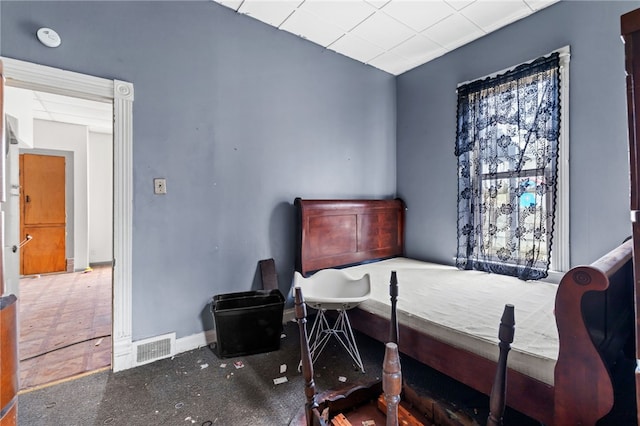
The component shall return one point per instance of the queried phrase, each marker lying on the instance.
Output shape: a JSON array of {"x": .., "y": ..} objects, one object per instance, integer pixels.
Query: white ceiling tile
[
  {"x": 378, "y": 3},
  {"x": 453, "y": 32},
  {"x": 95, "y": 115},
  {"x": 356, "y": 48},
  {"x": 344, "y": 14},
  {"x": 312, "y": 28},
  {"x": 418, "y": 15},
  {"x": 540, "y": 4},
  {"x": 80, "y": 110},
  {"x": 383, "y": 31},
  {"x": 51, "y": 100},
  {"x": 272, "y": 12},
  {"x": 492, "y": 14},
  {"x": 417, "y": 48},
  {"x": 392, "y": 64},
  {"x": 459, "y": 4},
  {"x": 233, "y": 4}
]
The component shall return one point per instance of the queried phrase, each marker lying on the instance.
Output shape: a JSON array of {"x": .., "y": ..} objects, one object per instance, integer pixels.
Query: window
[{"x": 508, "y": 143}]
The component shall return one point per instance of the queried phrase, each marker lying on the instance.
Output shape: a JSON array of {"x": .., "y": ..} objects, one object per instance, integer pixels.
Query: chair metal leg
[{"x": 321, "y": 332}]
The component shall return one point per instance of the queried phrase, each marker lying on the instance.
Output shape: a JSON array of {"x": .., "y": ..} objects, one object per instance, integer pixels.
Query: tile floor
[{"x": 65, "y": 325}]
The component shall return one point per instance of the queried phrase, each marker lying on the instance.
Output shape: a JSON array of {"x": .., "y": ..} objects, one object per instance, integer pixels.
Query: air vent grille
[{"x": 152, "y": 350}]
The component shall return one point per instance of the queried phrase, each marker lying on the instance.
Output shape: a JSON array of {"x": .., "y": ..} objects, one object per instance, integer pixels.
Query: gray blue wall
[
  {"x": 599, "y": 169},
  {"x": 239, "y": 117}
]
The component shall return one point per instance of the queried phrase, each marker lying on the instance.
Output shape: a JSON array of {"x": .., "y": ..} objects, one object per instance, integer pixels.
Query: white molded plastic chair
[{"x": 333, "y": 289}]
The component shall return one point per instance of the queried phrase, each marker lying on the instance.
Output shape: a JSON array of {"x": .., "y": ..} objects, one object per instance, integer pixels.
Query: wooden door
[
  {"x": 42, "y": 214},
  {"x": 630, "y": 23}
]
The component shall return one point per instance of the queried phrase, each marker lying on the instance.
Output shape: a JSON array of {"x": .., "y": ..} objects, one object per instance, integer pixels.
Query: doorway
[
  {"x": 65, "y": 184},
  {"x": 121, "y": 94}
]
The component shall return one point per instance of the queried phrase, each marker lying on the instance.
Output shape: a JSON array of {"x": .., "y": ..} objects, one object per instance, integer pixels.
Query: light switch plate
[{"x": 159, "y": 186}]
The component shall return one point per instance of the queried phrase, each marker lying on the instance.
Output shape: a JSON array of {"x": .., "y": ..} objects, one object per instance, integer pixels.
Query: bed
[{"x": 570, "y": 335}]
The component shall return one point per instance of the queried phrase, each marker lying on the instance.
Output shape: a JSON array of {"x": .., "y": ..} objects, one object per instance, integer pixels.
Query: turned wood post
[
  {"x": 391, "y": 382},
  {"x": 497, "y": 400},
  {"x": 393, "y": 293},
  {"x": 307, "y": 366}
]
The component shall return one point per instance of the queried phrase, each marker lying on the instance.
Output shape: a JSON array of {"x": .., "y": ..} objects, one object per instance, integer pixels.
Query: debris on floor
[{"x": 280, "y": 380}]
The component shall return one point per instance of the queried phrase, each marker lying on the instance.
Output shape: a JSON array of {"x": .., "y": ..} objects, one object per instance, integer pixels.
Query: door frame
[{"x": 32, "y": 76}]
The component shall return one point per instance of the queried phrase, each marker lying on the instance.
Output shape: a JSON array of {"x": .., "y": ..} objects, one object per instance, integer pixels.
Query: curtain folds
[{"x": 507, "y": 148}]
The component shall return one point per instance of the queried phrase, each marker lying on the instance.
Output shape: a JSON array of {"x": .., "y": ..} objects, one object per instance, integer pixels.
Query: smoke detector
[{"x": 49, "y": 37}]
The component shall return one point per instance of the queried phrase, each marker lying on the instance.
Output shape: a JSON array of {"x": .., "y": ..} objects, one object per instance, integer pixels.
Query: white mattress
[{"x": 463, "y": 308}]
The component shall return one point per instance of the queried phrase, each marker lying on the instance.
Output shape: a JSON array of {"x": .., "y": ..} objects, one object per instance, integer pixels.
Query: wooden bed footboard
[{"x": 602, "y": 295}]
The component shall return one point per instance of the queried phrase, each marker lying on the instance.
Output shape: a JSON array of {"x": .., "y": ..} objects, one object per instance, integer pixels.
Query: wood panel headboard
[{"x": 334, "y": 233}]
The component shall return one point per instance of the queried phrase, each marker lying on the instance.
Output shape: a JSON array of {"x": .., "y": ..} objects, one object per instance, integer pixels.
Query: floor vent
[{"x": 155, "y": 348}]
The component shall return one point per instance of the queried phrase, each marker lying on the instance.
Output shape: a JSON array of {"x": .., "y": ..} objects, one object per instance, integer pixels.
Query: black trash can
[{"x": 247, "y": 322}]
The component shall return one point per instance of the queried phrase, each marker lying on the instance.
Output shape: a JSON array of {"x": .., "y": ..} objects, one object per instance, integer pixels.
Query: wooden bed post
[
  {"x": 498, "y": 398},
  {"x": 307, "y": 366},
  {"x": 391, "y": 382},
  {"x": 393, "y": 293}
]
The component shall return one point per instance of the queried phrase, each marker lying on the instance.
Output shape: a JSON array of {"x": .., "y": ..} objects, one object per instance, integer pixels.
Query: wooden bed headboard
[{"x": 334, "y": 233}]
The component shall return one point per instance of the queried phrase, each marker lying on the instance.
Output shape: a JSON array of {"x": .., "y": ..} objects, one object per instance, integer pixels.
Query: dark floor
[{"x": 197, "y": 387}]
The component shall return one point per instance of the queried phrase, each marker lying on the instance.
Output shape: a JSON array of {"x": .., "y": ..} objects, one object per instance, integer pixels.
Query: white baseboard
[
  {"x": 206, "y": 338},
  {"x": 195, "y": 341},
  {"x": 187, "y": 343}
]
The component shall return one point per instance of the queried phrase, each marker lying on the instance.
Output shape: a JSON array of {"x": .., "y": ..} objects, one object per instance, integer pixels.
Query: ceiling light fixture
[{"x": 49, "y": 37}]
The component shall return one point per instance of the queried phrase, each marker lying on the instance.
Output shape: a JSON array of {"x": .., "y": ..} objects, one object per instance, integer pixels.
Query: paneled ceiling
[
  {"x": 97, "y": 116},
  {"x": 392, "y": 35}
]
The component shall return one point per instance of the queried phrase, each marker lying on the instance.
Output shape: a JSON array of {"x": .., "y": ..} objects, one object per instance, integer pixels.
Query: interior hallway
[{"x": 65, "y": 325}]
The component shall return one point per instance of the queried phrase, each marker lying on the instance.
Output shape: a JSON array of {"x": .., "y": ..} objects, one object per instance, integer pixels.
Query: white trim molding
[
  {"x": 561, "y": 249},
  {"x": 53, "y": 80}
]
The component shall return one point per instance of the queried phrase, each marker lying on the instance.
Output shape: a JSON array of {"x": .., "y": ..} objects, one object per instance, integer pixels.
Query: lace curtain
[{"x": 507, "y": 148}]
